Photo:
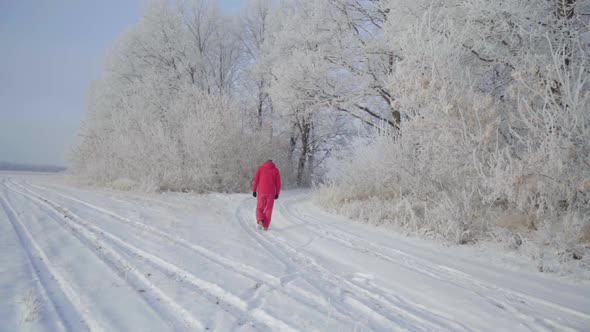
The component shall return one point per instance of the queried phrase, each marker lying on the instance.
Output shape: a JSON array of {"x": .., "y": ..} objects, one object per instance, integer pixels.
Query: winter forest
[{"x": 461, "y": 120}]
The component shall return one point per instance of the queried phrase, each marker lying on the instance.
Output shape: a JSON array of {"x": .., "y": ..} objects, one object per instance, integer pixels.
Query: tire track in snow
[
  {"x": 391, "y": 255},
  {"x": 283, "y": 282},
  {"x": 238, "y": 267},
  {"x": 124, "y": 197},
  {"x": 74, "y": 314},
  {"x": 170, "y": 310},
  {"x": 510, "y": 300},
  {"x": 384, "y": 311},
  {"x": 280, "y": 284},
  {"x": 40, "y": 275},
  {"x": 212, "y": 291},
  {"x": 293, "y": 271}
]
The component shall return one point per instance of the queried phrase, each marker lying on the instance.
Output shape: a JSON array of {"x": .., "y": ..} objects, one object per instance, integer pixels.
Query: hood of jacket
[{"x": 269, "y": 165}]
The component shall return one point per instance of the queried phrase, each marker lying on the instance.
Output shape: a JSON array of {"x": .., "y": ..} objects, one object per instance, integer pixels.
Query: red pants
[{"x": 264, "y": 206}]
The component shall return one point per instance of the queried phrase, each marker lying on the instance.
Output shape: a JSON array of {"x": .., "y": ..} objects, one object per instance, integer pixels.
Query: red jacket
[{"x": 267, "y": 179}]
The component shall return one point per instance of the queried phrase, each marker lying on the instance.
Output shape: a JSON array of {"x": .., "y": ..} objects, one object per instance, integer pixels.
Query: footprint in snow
[{"x": 363, "y": 277}]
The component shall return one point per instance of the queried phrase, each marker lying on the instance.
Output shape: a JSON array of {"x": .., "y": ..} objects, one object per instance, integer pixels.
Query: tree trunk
[
  {"x": 271, "y": 112},
  {"x": 397, "y": 119},
  {"x": 304, "y": 130},
  {"x": 292, "y": 145},
  {"x": 259, "y": 109},
  {"x": 565, "y": 9},
  {"x": 311, "y": 153}
]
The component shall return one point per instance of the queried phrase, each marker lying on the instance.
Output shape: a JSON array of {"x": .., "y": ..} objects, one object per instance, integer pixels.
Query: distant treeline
[{"x": 7, "y": 166}]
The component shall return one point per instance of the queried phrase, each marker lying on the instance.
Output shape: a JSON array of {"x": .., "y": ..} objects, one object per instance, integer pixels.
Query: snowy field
[{"x": 78, "y": 259}]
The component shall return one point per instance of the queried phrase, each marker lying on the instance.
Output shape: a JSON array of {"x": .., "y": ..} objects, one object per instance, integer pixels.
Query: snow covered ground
[{"x": 94, "y": 259}]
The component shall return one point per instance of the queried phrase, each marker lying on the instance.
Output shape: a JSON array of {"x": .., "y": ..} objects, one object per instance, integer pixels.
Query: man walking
[{"x": 266, "y": 186}]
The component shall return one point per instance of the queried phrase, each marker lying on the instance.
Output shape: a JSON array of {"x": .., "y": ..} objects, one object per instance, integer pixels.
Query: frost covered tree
[
  {"x": 162, "y": 116},
  {"x": 309, "y": 71},
  {"x": 493, "y": 97},
  {"x": 327, "y": 59},
  {"x": 254, "y": 30}
]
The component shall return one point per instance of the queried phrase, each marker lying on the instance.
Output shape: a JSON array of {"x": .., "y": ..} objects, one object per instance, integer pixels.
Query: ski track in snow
[
  {"x": 74, "y": 314},
  {"x": 384, "y": 312},
  {"x": 161, "y": 302},
  {"x": 211, "y": 290},
  {"x": 277, "y": 283},
  {"x": 47, "y": 283},
  {"x": 355, "y": 300},
  {"x": 503, "y": 298},
  {"x": 361, "y": 305}
]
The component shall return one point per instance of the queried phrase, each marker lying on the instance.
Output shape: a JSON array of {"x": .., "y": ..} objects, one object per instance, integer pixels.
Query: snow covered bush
[
  {"x": 164, "y": 117},
  {"x": 197, "y": 142},
  {"x": 495, "y": 132}
]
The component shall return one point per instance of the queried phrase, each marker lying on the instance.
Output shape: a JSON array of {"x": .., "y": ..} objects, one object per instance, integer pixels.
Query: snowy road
[{"x": 78, "y": 259}]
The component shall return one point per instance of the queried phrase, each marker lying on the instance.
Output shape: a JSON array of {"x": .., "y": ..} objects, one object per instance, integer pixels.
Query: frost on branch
[{"x": 496, "y": 137}]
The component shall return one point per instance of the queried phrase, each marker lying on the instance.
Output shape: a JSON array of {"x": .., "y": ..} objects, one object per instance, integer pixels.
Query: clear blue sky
[{"x": 49, "y": 52}]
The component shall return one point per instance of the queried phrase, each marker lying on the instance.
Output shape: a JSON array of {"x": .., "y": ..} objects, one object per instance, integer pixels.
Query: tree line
[{"x": 447, "y": 115}]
